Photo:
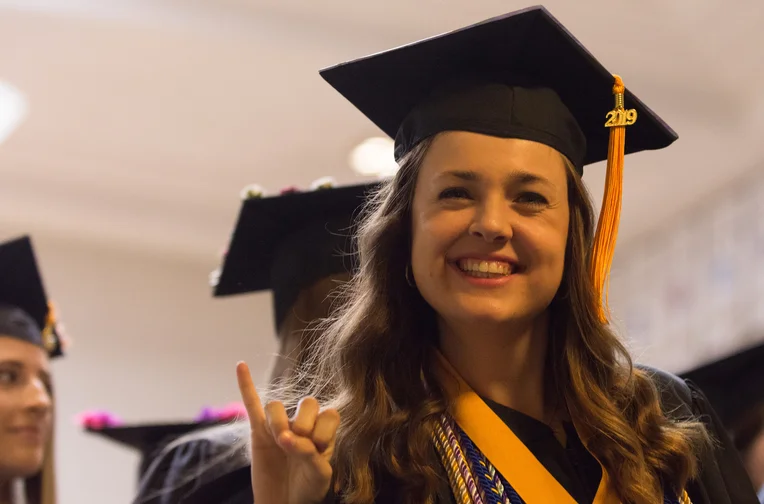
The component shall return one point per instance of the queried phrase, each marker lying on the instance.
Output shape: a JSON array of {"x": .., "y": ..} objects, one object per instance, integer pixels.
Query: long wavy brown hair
[{"x": 374, "y": 361}]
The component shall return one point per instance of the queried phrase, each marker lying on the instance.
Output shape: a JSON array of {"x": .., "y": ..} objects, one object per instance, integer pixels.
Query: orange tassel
[
  {"x": 50, "y": 325},
  {"x": 610, "y": 213}
]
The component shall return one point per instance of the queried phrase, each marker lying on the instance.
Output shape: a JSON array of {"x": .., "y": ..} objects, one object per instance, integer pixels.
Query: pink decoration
[
  {"x": 289, "y": 190},
  {"x": 229, "y": 412},
  {"x": 98, "y": 420}
]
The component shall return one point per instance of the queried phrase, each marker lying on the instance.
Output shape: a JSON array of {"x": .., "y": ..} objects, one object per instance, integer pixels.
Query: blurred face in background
[{"x": 25, "y": 408}]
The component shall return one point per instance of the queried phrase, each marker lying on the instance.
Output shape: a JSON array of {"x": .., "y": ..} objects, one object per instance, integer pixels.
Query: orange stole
[{"x": 503, "y": 449}]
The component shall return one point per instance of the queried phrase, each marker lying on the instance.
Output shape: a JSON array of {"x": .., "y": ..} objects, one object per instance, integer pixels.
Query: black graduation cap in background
[
  {"x": 520, "y": 75},
  {"x": 734, "y": 385},
  {"x": 24, "y": 307},
  {"x": 288, "y": 242},
  {"x": 148, "y": 439}
]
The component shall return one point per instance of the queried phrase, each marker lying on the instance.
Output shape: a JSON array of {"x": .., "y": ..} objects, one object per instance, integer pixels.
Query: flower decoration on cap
[
  {"x": 290, "y": 190},
  {"x": 252, "y": 191},
  {"x": 322, "y": 183},
  {"x": 215, "y": 277},
  {"x": 98, "y": 419},
  {"x": 232, "y": 411}
]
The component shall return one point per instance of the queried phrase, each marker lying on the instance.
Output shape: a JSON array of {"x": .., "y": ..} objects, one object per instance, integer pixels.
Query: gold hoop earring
[{"x": 409, "y": 279}]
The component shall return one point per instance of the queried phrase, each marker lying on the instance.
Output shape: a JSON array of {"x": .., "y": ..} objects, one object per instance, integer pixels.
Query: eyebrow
[
  {"x": 515, "y": 176},
  {"x": 12, "y": 363}
]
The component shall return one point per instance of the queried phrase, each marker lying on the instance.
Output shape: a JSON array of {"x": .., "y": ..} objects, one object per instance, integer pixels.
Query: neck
[{"x": 502, "y": 363}]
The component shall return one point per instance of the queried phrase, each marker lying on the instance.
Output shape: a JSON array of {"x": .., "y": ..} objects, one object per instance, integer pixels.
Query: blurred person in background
[
  {"x": 735, "y": 387},
  {"x": 297, "y": 245},
  {"x": 29, "y": 339}
]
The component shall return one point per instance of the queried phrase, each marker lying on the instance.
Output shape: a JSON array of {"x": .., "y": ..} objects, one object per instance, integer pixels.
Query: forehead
[
  {"x": 22, "y": 351},
  {"x": 460, "y": 150}
]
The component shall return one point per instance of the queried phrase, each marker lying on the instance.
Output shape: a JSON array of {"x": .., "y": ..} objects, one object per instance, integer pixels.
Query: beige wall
[
  {"x": 149, "y": 344},
  {"x": 692, "y": 290}
]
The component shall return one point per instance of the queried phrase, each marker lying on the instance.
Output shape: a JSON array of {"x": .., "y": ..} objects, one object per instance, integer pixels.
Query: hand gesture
[{"x": 290, "y": 457}]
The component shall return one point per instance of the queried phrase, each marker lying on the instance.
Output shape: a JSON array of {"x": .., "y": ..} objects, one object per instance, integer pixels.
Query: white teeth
[
  {"x": 481, "y": 274},
  {"x": 485, "y": 269}
]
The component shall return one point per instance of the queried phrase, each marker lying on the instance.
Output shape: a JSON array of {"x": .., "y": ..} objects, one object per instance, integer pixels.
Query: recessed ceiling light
[
  {"x": 374, "y": 157},
  {"x": 13, "y": 109}
]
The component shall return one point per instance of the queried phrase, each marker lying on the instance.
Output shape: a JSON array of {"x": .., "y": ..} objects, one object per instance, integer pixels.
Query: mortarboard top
[
  {"x": 288, "y": 242},
  {"x": 148, "y": 437},
  {"x": 522, "y": 75},
  {"x": 25, "y": 312},
  {"x": 734, "y": 385}
]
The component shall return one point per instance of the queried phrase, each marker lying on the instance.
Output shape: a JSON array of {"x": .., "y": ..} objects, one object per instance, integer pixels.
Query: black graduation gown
[
  {"x": 723, "y": 479},
  {"x": 175, "y": 475}
]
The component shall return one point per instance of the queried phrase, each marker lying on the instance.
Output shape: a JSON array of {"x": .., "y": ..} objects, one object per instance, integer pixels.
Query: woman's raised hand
[{"x": 290, "y": 457}]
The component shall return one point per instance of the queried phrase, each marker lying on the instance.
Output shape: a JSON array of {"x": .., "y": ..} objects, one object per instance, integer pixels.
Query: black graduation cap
[
  {"x": 288, "y": 242},
  {"x": 520, "y": 75},
  {"x": 25, "y": 312},
  {"x": 148, "y": 439},
  {"x": 733, "y": 385}
]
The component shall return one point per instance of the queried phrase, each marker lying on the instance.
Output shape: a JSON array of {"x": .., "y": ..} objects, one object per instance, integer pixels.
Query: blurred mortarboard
[
  {"x": 288, "y": 242},
  {"x": 522, "y": 75},
  {"x": 148, "y": 439},
  {"x": 25, "y": 311},
  {"x": 734, "y": 385}
]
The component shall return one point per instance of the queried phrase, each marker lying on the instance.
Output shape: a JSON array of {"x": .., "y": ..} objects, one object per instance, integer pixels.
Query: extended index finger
[{"x": 249, "y": 397}]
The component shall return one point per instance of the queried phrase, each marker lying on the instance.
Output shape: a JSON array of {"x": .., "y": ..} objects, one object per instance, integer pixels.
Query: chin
[
  {"x": 481, "y": 312},
  {"x": 24, "y": 465},
  {"x": 30, "y": 470},
  {"x": 487, "y": 314}
]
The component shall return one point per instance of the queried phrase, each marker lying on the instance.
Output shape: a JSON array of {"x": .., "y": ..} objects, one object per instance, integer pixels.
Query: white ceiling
[{"x": 148, "y": 116}]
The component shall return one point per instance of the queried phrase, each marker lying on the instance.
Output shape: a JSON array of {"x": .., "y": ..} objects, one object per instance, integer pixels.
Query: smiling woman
[
  {"x": 28, "y": 340},
  {"x": 472, "y": 360}
]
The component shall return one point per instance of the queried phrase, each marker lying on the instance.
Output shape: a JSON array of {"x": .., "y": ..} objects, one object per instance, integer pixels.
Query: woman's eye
[
  {"x": 8, "y": 377},
  {"x": 454, "y": 193},
  {"x": 532, "y": 198}
]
